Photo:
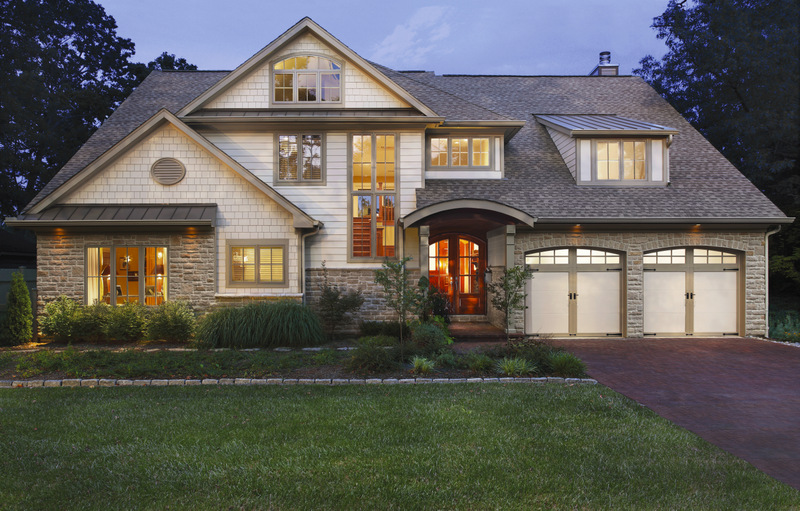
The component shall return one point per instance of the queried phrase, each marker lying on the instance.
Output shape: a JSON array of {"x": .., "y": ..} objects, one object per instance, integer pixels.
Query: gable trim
[
  {"x": 421, "y": 213},
  {"x": 263, "y": 57},
  {"x": 162, "y": 117}
]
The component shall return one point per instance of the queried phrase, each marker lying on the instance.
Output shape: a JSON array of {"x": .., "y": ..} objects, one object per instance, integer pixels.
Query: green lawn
[{"x": 490, "y": 446}]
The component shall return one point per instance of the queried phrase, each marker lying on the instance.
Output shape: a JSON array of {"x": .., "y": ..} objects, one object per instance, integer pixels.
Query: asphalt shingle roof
[{"x": 703, "y": 183}]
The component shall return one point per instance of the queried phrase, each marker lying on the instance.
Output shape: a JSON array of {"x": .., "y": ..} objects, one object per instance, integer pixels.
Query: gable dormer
[
  {"x": 305, "y": 68},
  {"x": 608, "y": 150}
]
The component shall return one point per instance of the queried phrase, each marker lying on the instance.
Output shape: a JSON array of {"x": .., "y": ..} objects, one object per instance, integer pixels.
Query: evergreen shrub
[{"x": 17, "y": 326}]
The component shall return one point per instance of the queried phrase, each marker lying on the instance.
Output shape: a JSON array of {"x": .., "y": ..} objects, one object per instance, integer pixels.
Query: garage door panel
[
  {"x": 548, "y": 303},
  {"x": 715, "y": 302},
  {"x": 598, "y": 302},
  {"x": 664, "y": 302}
]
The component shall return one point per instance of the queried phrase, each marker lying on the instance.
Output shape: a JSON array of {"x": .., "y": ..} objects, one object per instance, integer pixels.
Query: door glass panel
[
  {"x": 468, "y": 266},
  {"x": 439, "y": 266}
]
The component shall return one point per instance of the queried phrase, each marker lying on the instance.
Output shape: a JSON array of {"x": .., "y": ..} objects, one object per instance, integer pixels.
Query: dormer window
[
  {"x": 617, "y": 160},
  {"x": 307, "y": 79}
]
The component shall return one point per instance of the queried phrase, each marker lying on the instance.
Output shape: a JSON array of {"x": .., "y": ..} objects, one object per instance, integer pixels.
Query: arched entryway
[{"x": 457, "y": 267}]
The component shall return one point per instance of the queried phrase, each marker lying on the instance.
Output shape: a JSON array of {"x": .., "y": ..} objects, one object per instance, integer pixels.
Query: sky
[{"x": 515, "y": 37}]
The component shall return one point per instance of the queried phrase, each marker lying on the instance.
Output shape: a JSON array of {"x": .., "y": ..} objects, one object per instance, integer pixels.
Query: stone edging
[{"x": 102, "y": 382}]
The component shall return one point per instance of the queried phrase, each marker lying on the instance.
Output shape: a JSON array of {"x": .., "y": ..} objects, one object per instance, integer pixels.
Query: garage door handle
[{"x": 689, "y": 296}]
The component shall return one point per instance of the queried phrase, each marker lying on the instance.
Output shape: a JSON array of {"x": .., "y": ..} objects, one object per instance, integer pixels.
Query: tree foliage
[
  {"x": 63, "y": 70},
  {"x": 733, "y": 70},
  {"x": 401, "y": 296},
  {"x": 18, "y": 324},
  {"x": 508, "y": 293}
]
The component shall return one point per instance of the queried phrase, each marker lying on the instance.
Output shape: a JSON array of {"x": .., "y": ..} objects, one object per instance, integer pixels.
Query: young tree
[
  {"x": 400, "y": 294},
  {"x": 335, "y": 304},
  {"x": 508, "y": 293},
  {"x": 18, "y": 325}
]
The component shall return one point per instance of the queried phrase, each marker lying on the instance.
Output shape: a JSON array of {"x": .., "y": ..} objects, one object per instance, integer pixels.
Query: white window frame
[
  {"x": 470, "y": 141},
  {"x": 656, "y": 156}
]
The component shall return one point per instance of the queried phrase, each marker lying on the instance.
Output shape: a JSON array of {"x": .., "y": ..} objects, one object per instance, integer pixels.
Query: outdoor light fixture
[{"x": 487, "y": 275}]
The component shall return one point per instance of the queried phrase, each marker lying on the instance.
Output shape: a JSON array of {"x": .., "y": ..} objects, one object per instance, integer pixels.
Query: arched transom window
[{"x": 307, "y": 79}]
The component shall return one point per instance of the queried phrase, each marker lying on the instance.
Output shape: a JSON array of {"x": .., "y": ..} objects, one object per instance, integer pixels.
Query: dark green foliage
[
  {"x": 171, "y": 321},
  {"x": 389, "y": 328},
  {"x": 126, "y": 322},
  {"x": 261, "y": 325},
  {"x": 785, "y": 326},
  {"x": 335, "y": 305},
  {"x": 507, "y": 292},
  {"x": 567, "y": 365},
  {"x": 422, "y": 365},
  {"x": 371, "y": 357},
  {"x": 325, "y": 357},
  {"x": 60, "y": 318},
  {"x": 91, "y": 322},
  {"x": 479, "y": 362},
  {"x": 429, "y": 338},
  {"x": 515, "y": 366},
  {"x": 17, "y": 326},
  {"x": 446, "y": 358},
  {"x": 379, "y": 340},
  {"x": 400, "y": 295},
  {"x": 432, "y": 302}
]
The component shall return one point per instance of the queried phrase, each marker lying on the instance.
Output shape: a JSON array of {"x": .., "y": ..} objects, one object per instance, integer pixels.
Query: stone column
[{"x": 424, "y": 236}]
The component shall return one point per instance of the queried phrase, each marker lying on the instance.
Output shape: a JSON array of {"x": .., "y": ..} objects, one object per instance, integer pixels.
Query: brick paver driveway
[{"x": 740, "y": 394}]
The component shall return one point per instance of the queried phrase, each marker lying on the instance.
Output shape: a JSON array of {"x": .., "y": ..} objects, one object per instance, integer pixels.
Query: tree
[
  {"x": 508, "y": 293},
  {"x": 400, "y": 294},
  {"x": 733, "y": 70},
  {"x": 63, "y": 70},
  {"x": 18, "y": 324},
  {"x": 335, "y": 304}
]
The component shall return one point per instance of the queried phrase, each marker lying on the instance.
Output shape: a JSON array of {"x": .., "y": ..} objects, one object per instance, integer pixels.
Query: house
[{"x": 226, "y": 187}]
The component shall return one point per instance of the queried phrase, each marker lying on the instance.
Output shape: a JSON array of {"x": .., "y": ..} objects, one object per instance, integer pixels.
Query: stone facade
[
  {"x": 191, "y": 271},
  {"x": 633, "y": 245}
]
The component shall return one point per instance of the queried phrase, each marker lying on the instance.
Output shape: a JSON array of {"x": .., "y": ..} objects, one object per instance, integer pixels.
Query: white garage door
[
  {"x": 574, "y": 292},
  {"x": 691, "y": 291}
]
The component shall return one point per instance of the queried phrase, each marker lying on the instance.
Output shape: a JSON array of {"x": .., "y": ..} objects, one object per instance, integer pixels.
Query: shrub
[
  {"x": 17, "y": 326},
  {"x": 335, "y": 304},
  {"x": 91, "y": 321},
  {"x": 398, "y": 292},
  {"x": 446, "y": 358},
  {"x": 479, "y": 362},
  {"x": 534, "y": 351},
  {"x": 261, "y": 325},
  {"x": 60, "y": 318},
  {"x": 171, "y": 321},
  {"x": 126, "y": 322},
  {"x": 785, "y": 326},
  {"x": 429, "y": 338},
  {"x": 390, "y": 328},
  {"x": 422, "y": 365},
  {"x": 567, "y": 365},
  {"x": 515, "y": 367},
  {"x": 378, "y": 340},
  {"x": 432, "y": 302},
  {"x": 369, "y": 357}
]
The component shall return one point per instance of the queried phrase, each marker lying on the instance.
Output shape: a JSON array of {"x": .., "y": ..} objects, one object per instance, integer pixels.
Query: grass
[
  {"x": 160, "y": 364},
  {"x": 432, "y": 447}
]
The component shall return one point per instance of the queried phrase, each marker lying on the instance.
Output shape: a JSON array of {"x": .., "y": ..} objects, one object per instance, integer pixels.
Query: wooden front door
[{"x": 456, "y": 266}]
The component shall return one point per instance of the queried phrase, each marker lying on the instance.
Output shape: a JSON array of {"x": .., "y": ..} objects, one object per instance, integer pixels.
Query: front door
[{"x": 456, "y": 266}]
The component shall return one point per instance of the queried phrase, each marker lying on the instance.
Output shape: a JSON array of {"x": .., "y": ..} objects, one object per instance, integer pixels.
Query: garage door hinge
[
  {"x": 649, "y": 269},
  {"x": 613, "y": 269},
  {"x": 730, "y": 269},
  {"x": 618, "y": 334},
  {"x": 730, "y": 333}
]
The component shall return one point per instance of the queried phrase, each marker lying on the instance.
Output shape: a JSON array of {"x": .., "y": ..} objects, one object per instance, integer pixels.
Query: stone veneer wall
[
  {"x": 633, "y": 245},
  {"x": 62, "y": 264},
  {"x": 374, "y": 308}
]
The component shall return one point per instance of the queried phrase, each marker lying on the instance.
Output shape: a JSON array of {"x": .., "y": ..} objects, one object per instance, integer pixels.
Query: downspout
[
  {"x": 302, "y": 269},
  {"x": 766, "y": 274}
]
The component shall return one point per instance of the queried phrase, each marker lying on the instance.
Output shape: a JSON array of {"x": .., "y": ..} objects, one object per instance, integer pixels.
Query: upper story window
[
  {"x": 299, "y": 159},
  {"x": 459, "y": 153},
  {"x": 620, "y": 160},
  {"x": 372, "y": 196},
  {"x": 307, "y": 79}
]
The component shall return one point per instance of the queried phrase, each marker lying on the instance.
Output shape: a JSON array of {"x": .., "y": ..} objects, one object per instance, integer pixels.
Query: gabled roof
[
  {"x": 602, "y": 124},
  {"x": 162, "y": 117},
  {"x": 301, "y": 27}
]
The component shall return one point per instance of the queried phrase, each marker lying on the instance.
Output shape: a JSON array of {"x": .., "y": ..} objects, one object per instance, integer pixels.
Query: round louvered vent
[{"x": 168, "y": 171}]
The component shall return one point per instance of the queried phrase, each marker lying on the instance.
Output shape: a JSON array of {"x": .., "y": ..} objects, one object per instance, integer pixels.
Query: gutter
[
  {"x": 766, "y": 276},
  {"x": 302, "y": 267}
]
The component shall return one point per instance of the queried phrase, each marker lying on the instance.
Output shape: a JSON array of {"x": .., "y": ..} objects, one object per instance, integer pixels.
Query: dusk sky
[{"x": 530, "y": 37}]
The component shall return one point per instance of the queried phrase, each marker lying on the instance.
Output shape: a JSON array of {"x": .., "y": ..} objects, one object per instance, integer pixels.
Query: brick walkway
[{"x": 742, "y": 395}]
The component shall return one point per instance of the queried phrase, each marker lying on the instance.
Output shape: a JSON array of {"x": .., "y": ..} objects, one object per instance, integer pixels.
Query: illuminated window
[
  {"x": 373, "y": 196},
  {"x": 620, "y": 160},
  {"x": 459, "y": 152},
  {"x": 116, "y": 275},
  {"x": 257, "y": 264},
  {"x": 558, "y": 256},
  {"x": 299, "y": 158},
  {"x": 307, "y": 79}
]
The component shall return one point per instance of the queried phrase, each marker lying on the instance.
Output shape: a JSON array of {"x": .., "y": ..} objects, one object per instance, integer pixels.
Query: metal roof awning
[
  {"x": 593, "y": 125},
  {"x": 124, "y": 216}
]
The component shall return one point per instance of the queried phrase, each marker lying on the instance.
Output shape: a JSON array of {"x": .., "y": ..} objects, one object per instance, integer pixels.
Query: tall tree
[
  {"x": 733, "y": 70},
  {"x": 63, "y": 70}
]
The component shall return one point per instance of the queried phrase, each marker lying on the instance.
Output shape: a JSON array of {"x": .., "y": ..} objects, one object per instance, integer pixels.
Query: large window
[
  {"x": 300, "y": 159},
  {"x": 116, "y": 275},
  {"x": 373, "y": 196},
  {"x": 459, "y": 152},
  {"x": 621, "y": 160},
  {"x": 257, "y": 263},
  {"x": 307, "y": 79}
]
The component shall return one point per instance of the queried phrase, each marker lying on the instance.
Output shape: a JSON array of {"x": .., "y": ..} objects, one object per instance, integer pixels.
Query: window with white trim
[
  {"x": 620, "y": 160},
  {"x": 307, "y": 79},
  {"x": 257, "y": 263},
  {"x": 457, "y": 152},
  {"x": 300, "y": 159}
]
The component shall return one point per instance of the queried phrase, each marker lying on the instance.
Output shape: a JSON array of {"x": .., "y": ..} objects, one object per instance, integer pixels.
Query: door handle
[{"x": 689, "y": 296}]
